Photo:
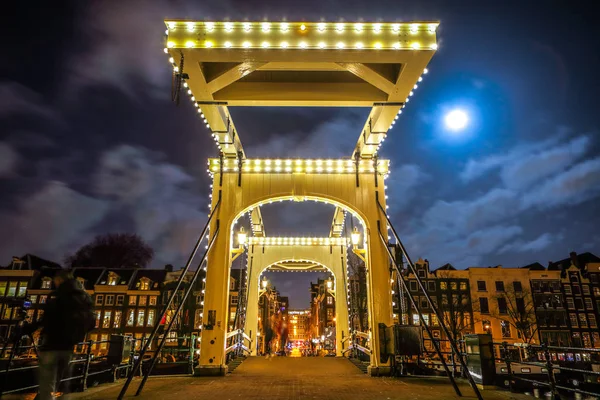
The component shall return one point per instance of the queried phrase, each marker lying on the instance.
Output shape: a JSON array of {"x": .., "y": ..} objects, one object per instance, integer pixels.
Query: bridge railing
[
  {"x": 238, "y": 344},
  {"x": 359, "y": 346},
  {"x": 563, "y": 370}
]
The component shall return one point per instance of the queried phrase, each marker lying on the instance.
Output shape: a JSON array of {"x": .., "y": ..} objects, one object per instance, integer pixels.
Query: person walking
[{"x": 68, "y": 317}]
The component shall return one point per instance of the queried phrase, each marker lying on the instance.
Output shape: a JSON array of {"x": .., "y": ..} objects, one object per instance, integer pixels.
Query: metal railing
[
  {"x": 87, "y": 358},
  {"x": 359, "y": 343},
  {"x": 546, "y": 361},
  {"x": 236, "y": 344}
]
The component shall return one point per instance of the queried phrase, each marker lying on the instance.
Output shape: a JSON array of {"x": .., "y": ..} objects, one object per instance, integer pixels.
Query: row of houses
[
  {"x": 127, "y": 300},
  {"x": 558, "y": 305}
]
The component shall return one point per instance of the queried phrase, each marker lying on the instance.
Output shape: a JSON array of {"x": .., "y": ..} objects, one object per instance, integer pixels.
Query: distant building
[
  {"x": 299, "y": 325},
  {"x": 322, "y": 310}
]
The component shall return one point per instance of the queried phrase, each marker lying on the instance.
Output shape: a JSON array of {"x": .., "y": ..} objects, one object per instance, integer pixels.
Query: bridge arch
[{"x": 360, "y": 191}]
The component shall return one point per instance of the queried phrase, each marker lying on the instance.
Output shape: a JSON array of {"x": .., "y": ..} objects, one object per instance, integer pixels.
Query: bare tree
[
  {"x": 358, "y": 291},
  {"x": 517, "y": 308},
  {"x": 455, "y": 308},
  {"x": 114, "y": 250}
]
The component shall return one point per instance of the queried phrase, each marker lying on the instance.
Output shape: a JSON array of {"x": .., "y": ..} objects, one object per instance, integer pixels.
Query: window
[
  {"x": 421, "y": 273},
  {"x": 582, "y": 321},
  {"x": 132, "y": 300},
  {"x": 104, "y": 340},
  {"x": 43, "y": 299},
  {"x": 140, "y": 317},
  {"x": 520, "y": 302},
  {"x": 499, "y": 286},
  {"x": 99, "y": 299},
  {"x": 33, "y": 298},
  {"x": 588, "y": 304},
  {"x": 570, "y": 303},
  {"x": 486, "y": 326},
  {"x": 586, "y": 289},
  {"x": 110, "y": 299},
  {"x": 505, "y": 327},
  {"x": 144, "y": 284},
  {"x": 106, "y": 319},
  {"x": 463, "y": 286},
  {"x": 22, "y": 289},
  {"x": 573, "y": 319},
  {"x": 130, "y": 317},
  {"x": 81, "y": 282},
  {"x": 481, "y": 286},
  {"x": 426, "y": 319},
  {"x": 568, "y": 289},
  {"x": 431, "y": 286},
  {"x": 12, "y": 289},
  {"x": 199, "y": 299},
  {"x": 7, "y": 314},
  {"x": 444, "y": 285},
  {"x": 152, "y": 300},
  {"x": 592, "y": 320},
  {"x": 424, "y": 303},
  {"x": 142, "y": 300},
  {"x": 30, "y": 315},
  {"x": 596, "y": 339},
  {"x": 502, "y": 308},
  {"x": 117, "y": 320},
  {"x": 596, "y": 291},
  {"x": 574, "y": 278},
  {"x": 97, "y": 325},
  {"x": 579, "y": 304},
  {"x": 329, "y": 300},
  {"x": 120, "y": 299},
  {"x": 467, "y": 320},
  {"x": 112, "y": 278},
  {"x": 576, "y": 290},
  {"x": 234, "y": 299},
  {"x": 46, "y": 283},
  {"x": 587, "y": 342},
  {"x": 415, "y": 319},
  {"x": 413, "y": 286},
  {"x": 151, "y": 316},
  {"x": 517, "y": 286},
  {"x": 330, "y": 313},
  {"x": 453, "y": 286},
  {"x": 2, "y": 288},
  {"x": 484, "y": 307}
]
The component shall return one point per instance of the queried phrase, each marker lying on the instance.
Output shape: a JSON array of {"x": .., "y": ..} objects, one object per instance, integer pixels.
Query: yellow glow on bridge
[
  {"x": 298, "y": 241},
  {"x": 309, "y": 166}
]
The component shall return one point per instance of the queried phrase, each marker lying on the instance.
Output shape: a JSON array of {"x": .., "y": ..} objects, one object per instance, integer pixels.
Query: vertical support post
[
  {"x": 251, "y": 322},
  {"x": 508, "y": 366},
  {"x": 550, "y": 372},
  {"x": 86, "y": 368}
]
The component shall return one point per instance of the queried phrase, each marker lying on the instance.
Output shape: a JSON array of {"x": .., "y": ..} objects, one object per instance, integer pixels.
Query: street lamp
[
  {"x": 330, "y": 288},
  {"x": 242, "y": 238},
  {"x": 355, "y": 236}
]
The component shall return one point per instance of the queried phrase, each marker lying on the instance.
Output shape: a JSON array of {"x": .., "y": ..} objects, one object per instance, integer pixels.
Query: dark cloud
[{"x": 8, "y": 160}]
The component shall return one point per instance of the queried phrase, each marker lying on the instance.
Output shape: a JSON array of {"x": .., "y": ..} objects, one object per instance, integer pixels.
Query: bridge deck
[{"x": 293, "y": 378}]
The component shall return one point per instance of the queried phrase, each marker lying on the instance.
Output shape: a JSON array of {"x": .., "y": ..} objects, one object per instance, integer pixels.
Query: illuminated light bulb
[
  {"x": 415, "y": 87},
  {"x": 420, "y": 79},
  {"x": 201, "y": 114},
  {"x": 378, "y": 45},
  {"x": 277, "y": 162},
  {"x": 303, "y": 45},
  {"x": 167, "y": 32},
  {"x": 277, "y": 169},
  {"x": 302, "y": 27},
  {"x": 190, "y": 26},
  {"x": 166, "y": 50},
  {"x": 415, "y": 46},
  {"x": 171, "y": 60},
  {"x": 228, "y": 26},
  {"x": 285, "y": 27},
  {"x": 339, "y": 28},
  {"x": 190, "y": 43},
  {"x": 433, "y": 46},
  {"x": 170, "y": 44},
  {"x": 265, "y": 45},
  {"x": 411, "y": 93},
  {"x": 321, "y": 45},
  {"x": 288, "y": 169},
  {"x": 228, "y": 44},
  {"x": 377, "y": 28},
  {"x": 176, "y": 68},
  {"x": 284, "y": 45},
  {"x": 200, "y": 111},
  {"x": 396, "y": 28},
  {"x": 321, "y": 27},
  {"x": 247, "y": 26},
  {"x": 171, "y": 25},
  {"x": 414, "y": 28},
  {"x": 358, "y": 27},
  {"x": 340, "y": 45},
  {"x": 432, "y": 28},
  {"x": 425, "y": 71},
  {"x": 189, "y": 91},
  {"x": 288, "y": 162},
  {"x": 266, "y": 27},
  {"x": 208, "y": 44},
  {"x": 210, "y": 26},
  {"x": 359, "y": 45},
  {"x": 397, "y": 45},
  {"x": 246, "y": 44}
]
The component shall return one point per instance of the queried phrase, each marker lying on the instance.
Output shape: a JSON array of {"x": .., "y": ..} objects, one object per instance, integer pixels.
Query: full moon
[{"x": 456, "y": 120}]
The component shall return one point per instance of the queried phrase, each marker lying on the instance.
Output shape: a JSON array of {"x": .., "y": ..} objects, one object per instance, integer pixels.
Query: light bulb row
[
  {"x": 301, "y": 241},
  {"x": 298, "y": 166},
  {"x": 285, "y": 27},
  {"x": 303, "y": 44},
  {"x": 410, "y": 94}
]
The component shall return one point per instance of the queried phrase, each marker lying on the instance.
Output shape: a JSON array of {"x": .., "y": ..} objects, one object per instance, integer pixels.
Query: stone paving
[{"x": 294, "y": 379}]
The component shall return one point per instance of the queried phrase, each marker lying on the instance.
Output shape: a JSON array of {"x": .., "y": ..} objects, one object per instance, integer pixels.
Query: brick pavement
[{"x": 293, "y": 379}]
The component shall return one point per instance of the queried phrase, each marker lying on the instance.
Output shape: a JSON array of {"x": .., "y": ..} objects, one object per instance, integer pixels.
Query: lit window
[
  {"x": 46, "y": 283},
  {"x": 99, "y": 299},
  {"x": 140, "y": 318},
  {"x": 12, "y": 289},
  {"x": 415, "y": 319},
  {"x": 152, "y": 300},
  {"x": 505, "y": 326},
  {"x": 144, "y": 284},
  {"x": 130, "y": 317},
  {"x": 132, "y": 300},
  {"x": 22, "y": 289},
  {"x": 43, "y": 299},
  {"x": 106, "y": 319},
  {"x": 110, "y": 299},
  {"x": 120, "y": 299},
  {"x": 151, "y": 316},
  {"x": 117, "y": 320},
  {"x": 142, "y": 301},
  {"x": 113, "y": 278}
]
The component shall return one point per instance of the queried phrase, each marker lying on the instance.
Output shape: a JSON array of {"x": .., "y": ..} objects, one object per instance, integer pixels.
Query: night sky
[{"x": 90, "y": 142}]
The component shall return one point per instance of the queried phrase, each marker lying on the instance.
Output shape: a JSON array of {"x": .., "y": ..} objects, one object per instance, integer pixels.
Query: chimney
[
  {"x": 573, "y": 257},
  {"x": 169, "y": 268}
]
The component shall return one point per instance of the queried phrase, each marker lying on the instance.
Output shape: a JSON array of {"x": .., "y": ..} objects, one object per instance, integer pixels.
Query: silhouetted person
[{"x": 68, "y": 316}]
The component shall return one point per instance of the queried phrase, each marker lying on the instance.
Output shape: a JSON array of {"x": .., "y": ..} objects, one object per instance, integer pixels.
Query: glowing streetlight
[
  {"x": 456, "y": 120},
  {"x": 242, "y": 236},
  {"x": 355, "y": 235},
  {"x": 264, "y": 283}
]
